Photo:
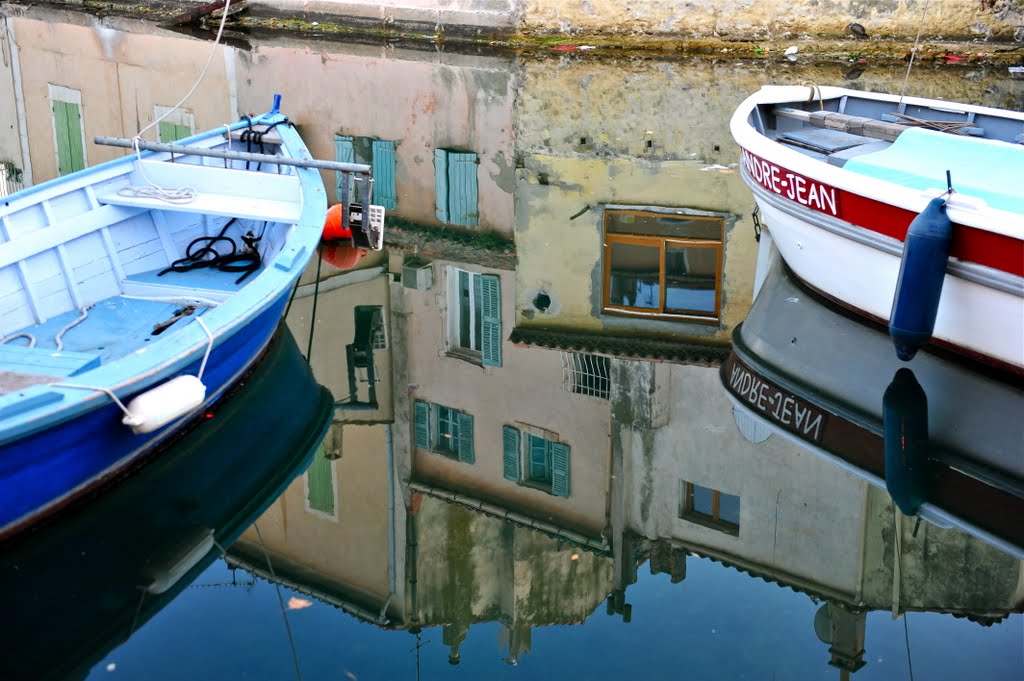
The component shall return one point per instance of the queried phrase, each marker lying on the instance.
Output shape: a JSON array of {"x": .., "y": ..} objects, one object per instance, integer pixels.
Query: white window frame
[
  {"x": 455, "y": 315},
  {"x": 59, "y": 93}
]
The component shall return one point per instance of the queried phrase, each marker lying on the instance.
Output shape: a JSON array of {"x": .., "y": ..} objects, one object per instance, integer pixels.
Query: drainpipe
[{"x": 391, "y": 519}]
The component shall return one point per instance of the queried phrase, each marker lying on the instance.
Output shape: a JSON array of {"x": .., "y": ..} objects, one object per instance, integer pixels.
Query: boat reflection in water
[
  {"x": 83, "y": 584},
  {"x": 942, "y": 437}
]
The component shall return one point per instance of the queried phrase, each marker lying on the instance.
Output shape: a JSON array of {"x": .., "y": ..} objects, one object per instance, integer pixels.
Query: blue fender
[{"x": 905, "y": 434}]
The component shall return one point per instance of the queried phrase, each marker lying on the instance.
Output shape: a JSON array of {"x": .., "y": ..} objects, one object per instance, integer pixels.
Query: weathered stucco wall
[{"x": 766, "y": 19}]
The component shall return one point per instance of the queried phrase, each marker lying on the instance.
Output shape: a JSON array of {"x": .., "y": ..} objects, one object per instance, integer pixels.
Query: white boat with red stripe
[{"x": 838, "y": 175}]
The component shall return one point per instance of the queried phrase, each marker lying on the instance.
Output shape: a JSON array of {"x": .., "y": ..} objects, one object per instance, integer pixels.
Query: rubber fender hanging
[
  {"x": 332, "y": 225},
  {"x": 905, "y": 435},
  {"x": 919, "y": 286}
]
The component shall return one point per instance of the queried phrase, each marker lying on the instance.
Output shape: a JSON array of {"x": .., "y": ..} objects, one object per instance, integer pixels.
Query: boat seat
[
  {"x": 822, "y": 140},
  {"x": 20, "y": 359},
  {"x": 990, "y": 170}
]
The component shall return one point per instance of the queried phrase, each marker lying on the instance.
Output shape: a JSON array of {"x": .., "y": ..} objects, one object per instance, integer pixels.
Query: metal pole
[{"x": 357, "y": 168}]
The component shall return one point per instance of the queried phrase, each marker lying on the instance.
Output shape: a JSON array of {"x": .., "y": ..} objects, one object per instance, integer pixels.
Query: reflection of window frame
[
  {"x": 429, "y": 433},
  {"x": 586, "y": 374},
  {"x": 662, "y": 243},
  {"x": 714, "y": 521},
  {"x": 484, "y": 304},
  {"x": 518, "y": 459}
]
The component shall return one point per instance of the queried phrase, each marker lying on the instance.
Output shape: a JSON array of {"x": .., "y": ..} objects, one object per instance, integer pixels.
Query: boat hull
[{"x": 83, "y": 453}]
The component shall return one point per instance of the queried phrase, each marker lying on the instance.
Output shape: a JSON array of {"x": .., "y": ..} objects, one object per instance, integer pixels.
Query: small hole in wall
[
  {"x": 649, "y": 144},
  {"x": 583, "y": 140},
  {"x": 542, "y": 178},
  {"x": 717, "y": 148},
  {"x": 542, "y": 301}
]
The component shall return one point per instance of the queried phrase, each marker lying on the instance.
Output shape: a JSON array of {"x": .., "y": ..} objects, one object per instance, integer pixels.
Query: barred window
[{"x": 586, "y": 374}]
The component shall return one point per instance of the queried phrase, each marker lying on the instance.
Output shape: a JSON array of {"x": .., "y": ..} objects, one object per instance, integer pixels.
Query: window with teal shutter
[
  {"x": 321, "y": 484},
  {"x": 344, "y": 152},
  {"x": 490, "y": 308},
  {"x": 559, "y": 469},
  {"x": 67, "y": 124},
  {"x": 510, "y": 441},
  {"x": 384, "y": 192},
  {"x": 466, "y": 438},
  {"x": 422, "y": 425},
  {"x": 455, "y": 187}
]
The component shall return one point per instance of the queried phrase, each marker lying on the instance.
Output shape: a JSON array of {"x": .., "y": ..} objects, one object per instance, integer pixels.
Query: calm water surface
[{"x": 626, "y": 530}]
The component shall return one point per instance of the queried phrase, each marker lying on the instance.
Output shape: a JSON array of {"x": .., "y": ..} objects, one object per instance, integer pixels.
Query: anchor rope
[{"x": 913, "y": 52}]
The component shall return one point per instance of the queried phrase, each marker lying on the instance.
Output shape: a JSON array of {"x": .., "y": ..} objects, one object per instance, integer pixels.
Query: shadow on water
[{"x": 141, "y": 543}]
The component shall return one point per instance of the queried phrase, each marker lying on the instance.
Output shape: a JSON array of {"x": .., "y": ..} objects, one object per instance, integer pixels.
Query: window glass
[
  {"x": 447, "y": 430},
  {"x": 655, "y": 224},
  {"x": 702, "y": 500},
  {"x": 729, "y": 508},
  {"x": 635, "y": 275},
  {"x": 690, "y": 275},
  {"x": 540, "y": 459}
]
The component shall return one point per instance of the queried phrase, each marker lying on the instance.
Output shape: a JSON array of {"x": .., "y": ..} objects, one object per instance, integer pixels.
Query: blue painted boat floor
[{"x": 113, "y": 328}]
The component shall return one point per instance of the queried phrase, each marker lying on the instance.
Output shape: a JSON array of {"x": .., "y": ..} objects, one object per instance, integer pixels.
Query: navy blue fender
[
  {"x": 919, "y": 286},
  {"x": 905, "y": 433}
]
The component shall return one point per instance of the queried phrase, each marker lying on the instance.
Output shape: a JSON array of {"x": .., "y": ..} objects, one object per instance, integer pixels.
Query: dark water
[{"x": 680, "y": 550}]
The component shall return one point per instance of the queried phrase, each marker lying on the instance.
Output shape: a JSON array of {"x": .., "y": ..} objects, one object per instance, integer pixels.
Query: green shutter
[
  {"x": 559, "y": 469},
  {"x": 462, "y": 189},
  {"x": 384, "y": 192},
  {"x": 510, "y": 440},
  {"x": 321, "y": 485},
  {"x": 172, "y": 132},
  {"x": 466, "y": 438},
  {"x": 441, "y": 184},
  {"x": 67, "y": 124},
  {"x": 423, "y": 425},
  {"x": 490, "y": 311},
  {"x": 344, "y": 152}
]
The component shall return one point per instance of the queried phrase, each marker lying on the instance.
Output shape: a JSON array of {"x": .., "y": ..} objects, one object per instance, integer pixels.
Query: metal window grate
[{"x": 586, "y": 374}]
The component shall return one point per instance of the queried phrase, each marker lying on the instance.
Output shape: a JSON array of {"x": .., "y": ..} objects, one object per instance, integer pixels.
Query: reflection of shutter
[
  {"x": 510, "y": 439},
  {"x": 490, "y": 311},
  {"x": 321, "y": 486},
  {"x": 441, "y": 184},
  {"x": 384, "y": 192},
  {"x": 423, "y": 425},
  {"x": 462, "y": 189},
  {"x": 344, "y": 152},
  {"x": 559, "y": 469},
  {"x": 67, "y": 124},
  {"x": 466, "y": 438}
]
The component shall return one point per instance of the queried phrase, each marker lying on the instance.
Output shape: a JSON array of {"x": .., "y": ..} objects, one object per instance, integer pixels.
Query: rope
[
  {"x": 209, "y": 347},
  {"x": 177, "y": 195},
  {"x": 815, "y": 91},
  {"x": 280, "y": 601},
  {"x": 59, "y": 339},
  {"x": 22, "y": 334},
  {"x": 246, "y": 261},
  {"x": 316, "y": 294},
  {"x": 913, "y": 51},
  {"x": 108, "y": 391}
]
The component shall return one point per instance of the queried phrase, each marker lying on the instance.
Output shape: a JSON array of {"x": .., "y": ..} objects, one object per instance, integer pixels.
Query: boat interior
[
  {"x": 909, "y": 144},
  {"x": 94, "y": 269}
]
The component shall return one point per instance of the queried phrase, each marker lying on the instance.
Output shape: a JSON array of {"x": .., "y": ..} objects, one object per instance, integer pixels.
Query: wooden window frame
[
  {"x": 661, "y": 243},
  {"x": 713, "y": 521}
]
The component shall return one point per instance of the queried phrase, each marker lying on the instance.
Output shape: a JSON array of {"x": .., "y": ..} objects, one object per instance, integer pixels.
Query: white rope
[
  {"x": 59, "y": 338},
  {"x": 23, "y": 334},
  {"x": 177, "y": 195},
  {"x": 95, "y": 388},
  {"x": 913, "y": 51},
  {"x": 209, "y": 347}
]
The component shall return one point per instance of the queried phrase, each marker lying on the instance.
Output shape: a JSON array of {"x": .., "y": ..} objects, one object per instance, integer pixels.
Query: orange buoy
[
  {"x": 332, "y": 225},
  {"x": 342, "y": 255}
]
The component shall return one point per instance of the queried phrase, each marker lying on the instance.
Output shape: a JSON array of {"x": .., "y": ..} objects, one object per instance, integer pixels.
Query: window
[
  {"x": 535, "y": 458},
  {"x": 474, "y": 316},
  {"x": 380, "y": 155},
  {"x": 178, "y": 124},
  {"x": 586, "y": 374},
  {"x": 710, "y": 507},
  {"x": 663, "y": 265},
  {"x": 445, "y": 431},
  {"x": 320, "y": 484},
  {"x": 68, "y": 129},
  {"x": 455, "y": 186}
]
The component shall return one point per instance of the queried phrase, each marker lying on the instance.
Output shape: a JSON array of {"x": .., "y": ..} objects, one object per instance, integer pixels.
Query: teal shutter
[
  {"x": 384, "y": 192},
  {"x": 321, "y": 486},
  {"x": 422, "y": 425},
  {"x": 490, "y": 311},
  {"x": 441, "y": 184},
  {"x": 466, "y": 438},
  {"x": 344, "y": 152},
  {"x": 67, "y": 124},
  {"x": 559, "y": 469},
  {"x": 462, "y": 189},
  {"x": 510, "y": 439}
]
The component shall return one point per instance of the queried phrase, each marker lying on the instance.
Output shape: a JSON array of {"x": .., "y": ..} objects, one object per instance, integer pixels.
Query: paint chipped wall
[{"x": 777, "y": 19}]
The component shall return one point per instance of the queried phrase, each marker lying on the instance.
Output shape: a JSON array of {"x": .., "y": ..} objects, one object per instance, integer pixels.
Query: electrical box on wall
[{"x": 417, "y": 275}]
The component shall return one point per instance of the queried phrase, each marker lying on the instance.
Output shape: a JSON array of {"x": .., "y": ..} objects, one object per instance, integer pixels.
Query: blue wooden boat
[{"x": 133, "y": 293}]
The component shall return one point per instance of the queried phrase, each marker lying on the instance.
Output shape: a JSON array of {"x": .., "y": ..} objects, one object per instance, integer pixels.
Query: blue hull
[{"x": 43, "y": 472}]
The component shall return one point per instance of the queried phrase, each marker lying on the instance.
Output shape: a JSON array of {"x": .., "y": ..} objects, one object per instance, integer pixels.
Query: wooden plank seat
[
  {"x": 246, "y": 194},
  {"x": 20, "y": 359}
]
